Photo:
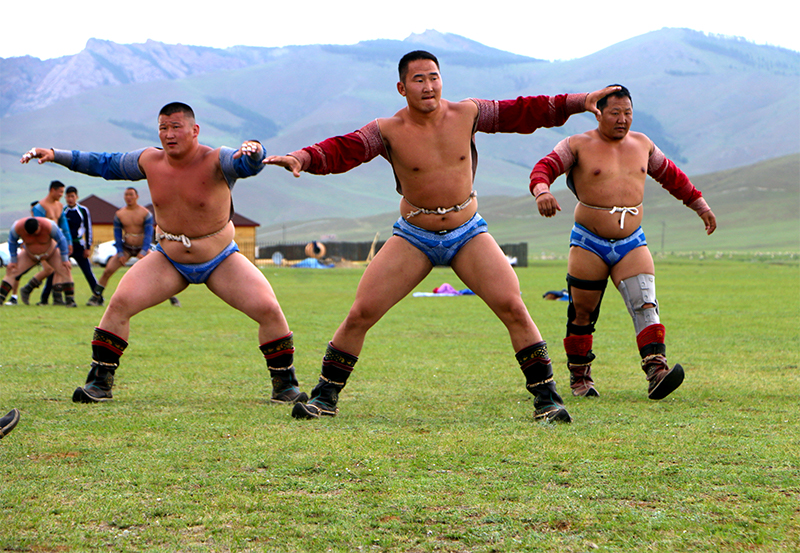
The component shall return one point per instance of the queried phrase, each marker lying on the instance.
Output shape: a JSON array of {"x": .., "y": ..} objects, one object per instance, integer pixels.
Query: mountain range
[{"x": 711, "y": 103}]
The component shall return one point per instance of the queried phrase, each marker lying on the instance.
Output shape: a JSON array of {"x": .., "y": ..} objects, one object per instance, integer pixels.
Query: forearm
[
  {"x": 244, "y": 166},
  {"x": 64, "y": 224},
  {"x": 547, "y": 170},
  {"x": 110, "y": 166},
  {"x": 147, "y": 239},
  {"x": 13, "y": 244},
  {"x": 341, "y": 153},
  {"x": 118, "y": 234},
  {"x": 61, "y": 240},
  {"x": 672, "y": 179},
  {"x": 525, "y": 114}
]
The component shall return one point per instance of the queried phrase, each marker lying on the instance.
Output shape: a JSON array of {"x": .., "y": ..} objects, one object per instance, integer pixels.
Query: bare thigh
[
  {"x": 391, "y": 275},
  {"x": 150, "y": 281},
  {"x": 240, "y": 284},
  {"x": 484, "y": 268}
]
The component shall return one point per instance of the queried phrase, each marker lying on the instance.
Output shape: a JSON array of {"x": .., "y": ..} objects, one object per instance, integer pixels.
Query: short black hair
[
  {"x": 621, "y": 93},
  {"x": 56, "y": 184},
  {"x": 71, "y": 190},
  {"x": 31, "y": 225},
  {"x": 132, "y": 188},
  {"x": 177, "y": 107},
  {"x": 402, "y": 67}
]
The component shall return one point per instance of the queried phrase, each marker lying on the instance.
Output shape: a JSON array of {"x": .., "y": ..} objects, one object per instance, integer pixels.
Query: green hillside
[
  {"x": 711, "y": 103},
  {"x": 757, "y": 209}
]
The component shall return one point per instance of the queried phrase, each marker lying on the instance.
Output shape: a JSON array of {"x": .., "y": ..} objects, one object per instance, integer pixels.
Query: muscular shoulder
[
  {"x": 466, "y": 107},
  {"x": 640, "y": 140},
  {"x": 577, "y": 142}
]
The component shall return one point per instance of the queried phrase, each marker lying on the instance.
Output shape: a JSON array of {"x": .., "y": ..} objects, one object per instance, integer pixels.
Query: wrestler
[
  {"x": 133, "y": 234},
  {"x": 190, "y": 186},
  {"x": 606, "y": 170},
  {"x": 430, "y": 146},
  {"x": 43, "y": 241},
  {"x": 51, "y": 207}
]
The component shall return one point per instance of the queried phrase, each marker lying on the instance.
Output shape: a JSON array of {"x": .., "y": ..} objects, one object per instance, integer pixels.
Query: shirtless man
[
  {"x": 430, "y": 144},
  {"x": 51, "y": 207},
  {"x": 42, "y": 241},
  {"x": 606, "y": 169},
  {"x": 190, "y": 186},
  {"x": 133, "y": 234}
]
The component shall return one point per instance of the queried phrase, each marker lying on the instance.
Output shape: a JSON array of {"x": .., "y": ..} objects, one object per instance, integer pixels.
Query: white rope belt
[
  {"x": 440, "y": 210},
  {"x": 615, "y": 209},
  {"x": 185, "y": 240}
]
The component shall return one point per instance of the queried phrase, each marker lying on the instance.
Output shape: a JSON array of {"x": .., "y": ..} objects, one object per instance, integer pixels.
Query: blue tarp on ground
[{"x": 311, "y": 263}]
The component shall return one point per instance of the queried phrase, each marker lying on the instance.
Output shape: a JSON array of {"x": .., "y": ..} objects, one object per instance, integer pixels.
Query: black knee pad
[{"x": 581, "y": 284}]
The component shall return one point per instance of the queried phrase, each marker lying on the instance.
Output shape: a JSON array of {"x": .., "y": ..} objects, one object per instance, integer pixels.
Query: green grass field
[{"x": 435, "y": 448}]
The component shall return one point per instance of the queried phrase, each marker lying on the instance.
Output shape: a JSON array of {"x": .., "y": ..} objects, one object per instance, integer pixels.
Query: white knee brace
[{"x": 637, "y": 291}]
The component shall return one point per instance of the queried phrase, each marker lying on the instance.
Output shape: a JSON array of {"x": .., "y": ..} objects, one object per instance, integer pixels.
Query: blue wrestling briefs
[
  {"x": 610, "y": 251},
  {"x": 198, "y": 273},
  {"x": 442, "y": 246}
]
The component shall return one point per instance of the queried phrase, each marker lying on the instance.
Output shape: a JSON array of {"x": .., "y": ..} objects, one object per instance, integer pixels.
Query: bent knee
[
  {"x": 513, "y": 311},
  {"x": 361, "y": 316}
]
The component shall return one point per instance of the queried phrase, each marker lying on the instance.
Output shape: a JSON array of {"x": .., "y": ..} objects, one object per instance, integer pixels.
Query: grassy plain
[{"x": 435, "y": 448}]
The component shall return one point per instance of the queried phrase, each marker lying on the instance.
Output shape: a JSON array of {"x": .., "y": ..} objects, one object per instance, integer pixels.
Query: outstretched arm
[
  {"x": 242, "y": 163},
  {"x": 116, "y": 166},
  {"x": 288, "y": 162},
  {"x": 525, "y": 114},
  {"x": 337, "y": 154}
]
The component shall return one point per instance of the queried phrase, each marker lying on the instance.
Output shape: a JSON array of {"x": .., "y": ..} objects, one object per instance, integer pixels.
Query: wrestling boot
[
  {"x": 58, "y": 295},
  {"x": 8, "y": 422},
  {"x": 538, "y": 370},
  {"x": 280, "y": 362},
  {"x": 27, "y": 290},
  {"x": 69, "y": 293},
  {"x": 662, "y": 380},
  {"x": 579, "y": 363},
  {"x": 97, "y": 296},
  {"x": 106, "y": 351},
  {"x": 336, "y": 368},
  {"x": 5, "y": 288}
]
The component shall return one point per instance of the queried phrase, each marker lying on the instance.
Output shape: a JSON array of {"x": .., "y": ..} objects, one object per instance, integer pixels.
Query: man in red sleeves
[
  {"x": 606, "y": 170},
  {"x": 430, "y": 145}
]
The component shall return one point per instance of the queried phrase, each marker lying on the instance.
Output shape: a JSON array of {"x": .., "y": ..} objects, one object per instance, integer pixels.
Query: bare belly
[
  {"x": 609, "y": 225},
  {"x": 201, "y": 249}
]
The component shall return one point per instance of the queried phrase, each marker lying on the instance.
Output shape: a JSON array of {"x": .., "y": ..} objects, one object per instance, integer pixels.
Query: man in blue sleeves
[{"x": 190, "y": 187}]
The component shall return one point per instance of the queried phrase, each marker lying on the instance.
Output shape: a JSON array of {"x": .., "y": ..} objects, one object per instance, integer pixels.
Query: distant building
[
  {"x": 103, "y": 225},
  {"x": 102, "y": 213}
]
